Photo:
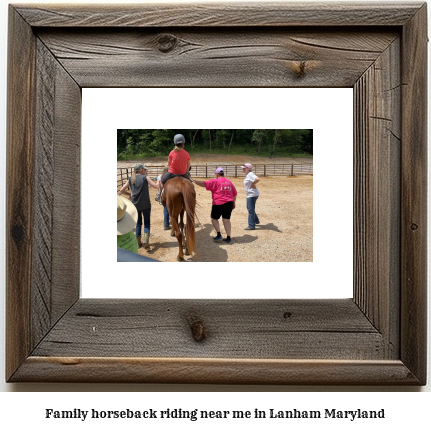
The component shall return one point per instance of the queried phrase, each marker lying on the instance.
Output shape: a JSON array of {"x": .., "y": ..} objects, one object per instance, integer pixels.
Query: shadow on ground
[
  {"x": 208, "y": 249},
  {"x": 268, "y": 226}
]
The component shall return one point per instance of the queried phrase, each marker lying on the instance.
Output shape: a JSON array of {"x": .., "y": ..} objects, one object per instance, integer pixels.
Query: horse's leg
[
  {"x": 184, "y": 235},
  {"x": 173, "y": 228},
  {"x": 179, "y": 236},
  {"x": 186, "y": 251},
  {"x": 174, "y": 205},
  {"x": 170, "y": 206}
]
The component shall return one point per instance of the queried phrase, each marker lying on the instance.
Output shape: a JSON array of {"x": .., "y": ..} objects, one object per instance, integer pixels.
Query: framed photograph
[{"x": 378, "y": 337}]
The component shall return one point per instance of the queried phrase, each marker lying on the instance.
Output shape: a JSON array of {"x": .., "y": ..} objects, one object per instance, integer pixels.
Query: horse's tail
[{"x": 189, "y": 198}]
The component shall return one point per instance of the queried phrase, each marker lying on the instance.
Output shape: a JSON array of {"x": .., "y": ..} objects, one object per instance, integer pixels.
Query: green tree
[
  {"x": 257, "y": 137},
  {"x": 161, "y": 140}
]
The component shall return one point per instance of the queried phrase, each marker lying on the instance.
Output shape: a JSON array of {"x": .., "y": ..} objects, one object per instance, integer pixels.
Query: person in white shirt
[{"x": 252, "y": 193}]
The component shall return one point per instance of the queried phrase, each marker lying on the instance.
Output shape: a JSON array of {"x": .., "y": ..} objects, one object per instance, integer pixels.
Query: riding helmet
[{"x": 179, "y": 139}]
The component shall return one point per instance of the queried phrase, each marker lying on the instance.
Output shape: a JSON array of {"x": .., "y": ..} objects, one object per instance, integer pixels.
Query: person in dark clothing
[
  {"x": 166, "y": 220},
  {"x": 140, "y": 197}
]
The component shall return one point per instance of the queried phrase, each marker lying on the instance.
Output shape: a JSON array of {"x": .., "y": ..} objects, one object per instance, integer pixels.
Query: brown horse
[{"x": 179, "y": 196}]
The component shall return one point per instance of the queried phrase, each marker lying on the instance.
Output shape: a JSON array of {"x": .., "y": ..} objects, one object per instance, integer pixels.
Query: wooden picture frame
[{"x": 376, "y": 338}]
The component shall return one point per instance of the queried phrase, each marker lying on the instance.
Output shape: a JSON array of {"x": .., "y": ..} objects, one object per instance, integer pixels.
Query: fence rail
[{"x": 235, "y": 171}]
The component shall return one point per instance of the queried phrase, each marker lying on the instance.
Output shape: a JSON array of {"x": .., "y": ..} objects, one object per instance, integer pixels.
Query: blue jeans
[
  {"x": 165, "y": 216},
  {"x": 146, "y": 215},
  {"x": 253, "y": 219}
]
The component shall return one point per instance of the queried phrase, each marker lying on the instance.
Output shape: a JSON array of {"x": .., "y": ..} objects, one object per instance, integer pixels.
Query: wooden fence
[{"x": 235, "y": 171}]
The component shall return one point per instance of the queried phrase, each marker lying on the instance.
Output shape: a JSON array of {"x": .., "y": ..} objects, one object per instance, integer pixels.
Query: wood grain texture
[
  {"x": 268, "y": 329},
  {"x": 214, "y": 58},
  {"x": 43, "y": 195},
  {"x": 57, "y": 193},
  {"x": 414, "y": 195},
  {"x": 220, "y": 14},
  {"x": 215, "y": 371},
  {"x": 377, "y": 101},
  {"x": 19, "y": 202},
  {"x": 378, "y": 338},
  {"x": 66, "y": 204}
]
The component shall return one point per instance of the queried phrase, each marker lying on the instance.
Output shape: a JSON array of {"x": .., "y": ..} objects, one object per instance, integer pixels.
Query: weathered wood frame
[{"x": 378, "y": 337}]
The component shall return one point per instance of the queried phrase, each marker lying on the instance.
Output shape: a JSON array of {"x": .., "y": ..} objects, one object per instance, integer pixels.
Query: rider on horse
[{"x": 179, "y": 162}]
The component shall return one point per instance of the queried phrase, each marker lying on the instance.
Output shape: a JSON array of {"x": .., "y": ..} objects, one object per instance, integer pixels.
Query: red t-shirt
[
  {"x": 222, "y": 190},
  {"x": 179, "y": 162}
]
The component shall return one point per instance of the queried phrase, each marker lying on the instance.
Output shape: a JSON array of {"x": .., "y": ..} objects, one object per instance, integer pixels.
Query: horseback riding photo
[{"x": 260, "y": 183}]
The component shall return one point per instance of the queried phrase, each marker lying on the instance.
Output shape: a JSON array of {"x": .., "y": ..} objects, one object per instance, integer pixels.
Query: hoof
[
  {"x": 180, "y": 259},
  {"x": 173, "y": 233}
]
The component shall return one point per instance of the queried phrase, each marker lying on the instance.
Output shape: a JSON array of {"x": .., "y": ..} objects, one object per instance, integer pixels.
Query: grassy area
[{"x": 236, "y": 151}]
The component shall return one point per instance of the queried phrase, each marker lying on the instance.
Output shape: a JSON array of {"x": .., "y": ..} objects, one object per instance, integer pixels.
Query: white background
[
  {"x": 328, "y": 111},
  {"x": 405, "y": 409}
]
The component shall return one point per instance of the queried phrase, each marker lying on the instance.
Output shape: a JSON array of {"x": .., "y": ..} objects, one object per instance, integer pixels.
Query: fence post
[{"x": 281, "y": 169}]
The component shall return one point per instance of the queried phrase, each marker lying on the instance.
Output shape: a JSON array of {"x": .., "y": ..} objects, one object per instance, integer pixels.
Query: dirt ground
[{"x": 284, "y": 207}]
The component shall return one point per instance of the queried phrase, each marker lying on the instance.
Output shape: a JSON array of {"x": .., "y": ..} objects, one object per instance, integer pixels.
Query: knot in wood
[
  {"x": 300, "y": 69},
  {"x": 18, "y": 233},
  {"x": 414, "y": 226},
  {"x": 197, "y": 328},
  {"x": 167, "y": 42}
]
